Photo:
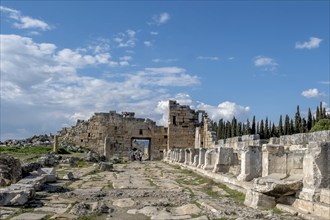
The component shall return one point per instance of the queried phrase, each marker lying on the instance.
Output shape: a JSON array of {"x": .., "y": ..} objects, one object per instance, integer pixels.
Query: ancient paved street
[{"x": 137, "y": 191}]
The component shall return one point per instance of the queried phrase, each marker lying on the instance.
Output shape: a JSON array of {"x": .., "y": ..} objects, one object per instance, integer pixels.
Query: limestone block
[
  {"x": 258, "y": 200},
  {"x": 321, "y": 210},
  {"x": 201, "y": 157},
  {"x": 30, "y": 216},
  {"x": 315, "y": 170},
  {"x": 49, "y": 173},
  {"x": 35, "y": 181},
  {"x": 10, "y": 170},
  {"x": 196, "y": 159},
  {"x": 273, "y": 159},
  {"x": 225, "y": 158},
  {"x": 181, "y": 155},
  {"x": 277, "y": 185},
  {"x": 210, "y": 159},
  {"x": 16, "y": 195},
  {"x": 274, "y": 140},
  {"x": 325, "y": 196},
  {"x": 251, "y": 163}
]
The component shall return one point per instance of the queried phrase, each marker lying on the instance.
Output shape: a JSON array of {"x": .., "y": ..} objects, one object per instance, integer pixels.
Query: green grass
[
  {"x": 208, "y": 185},
  {"x": 26, "y": 153}
]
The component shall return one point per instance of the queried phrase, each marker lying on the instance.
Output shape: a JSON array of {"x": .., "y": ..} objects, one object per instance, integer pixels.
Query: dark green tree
[
  {"x": 253, "y": 126},
  {"x": 309, "y": 120},
  {"x": 287, "y": 125},
  {"x": 262, "y": 131},
  {"x": 280, "y": 127},
  {"x": 297, "y": 124}
]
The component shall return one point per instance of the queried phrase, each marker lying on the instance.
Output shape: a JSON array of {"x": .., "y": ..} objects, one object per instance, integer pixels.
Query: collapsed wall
[{"x": 113, "y": 134}]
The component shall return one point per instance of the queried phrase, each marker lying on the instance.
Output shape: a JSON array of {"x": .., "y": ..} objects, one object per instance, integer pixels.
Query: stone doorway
[{"x": 143, "y": 145}]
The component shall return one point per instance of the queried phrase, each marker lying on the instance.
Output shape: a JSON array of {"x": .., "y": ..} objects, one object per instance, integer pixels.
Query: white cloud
[
  {"x": 43, "y": 88},
  {"x": 25, "y": 22},
  {"x": 313, "y": 42},
  {"x": 147, "y": 43},
  {"x": 154, "y": 33},
  {"x": 207, "y": 58},
  {"x": 160, "y": 19},
  {"x": 126, "y": 39},
  {"x": 266, "y": 63},
  {"x": 325, "y": 82},
  {"x": 225, "y": 110},
  {"x": 158, "y": 60},
  {"x": 313, "y": 93},
  {"x": 231, "y": 58}
]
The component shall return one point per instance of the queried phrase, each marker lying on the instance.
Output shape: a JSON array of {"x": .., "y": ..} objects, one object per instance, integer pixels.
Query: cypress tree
[
  {"x": 317, "y": 114},
  {"x": 273, "y": 132},
  {"x": 291, "y": 127},
  {"x": 287, "y": 125},
  {"x": 233, "y": 127},
  {"x": 266, "y": 129},
  {"x": 297, "y": 127},
  {"x": 309, "y": 120},
  {"x": 262, "y": 132},
  {"x": 280, "y": 127},
  {"x": 248, "y": 129},
  {"x": 304, "y": 126},
  {"x": 253, "y": 127}
]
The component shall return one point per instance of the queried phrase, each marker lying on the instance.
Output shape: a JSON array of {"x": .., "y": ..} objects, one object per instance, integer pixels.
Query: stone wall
[
  {"x": 182, "y": 122},
  {"x": 290, "y": 170},
  {"x": 112, "y": 134}
]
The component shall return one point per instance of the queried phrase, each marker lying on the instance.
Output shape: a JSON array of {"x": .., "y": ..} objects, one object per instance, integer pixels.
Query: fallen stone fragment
[
  {"x": 69, "y": 176},
  {"x": 105, "y": 166},
  {"x": 10, "y": 170},
  {"x": 273, "y": 186},
  {"x": 258, "y": 200}
]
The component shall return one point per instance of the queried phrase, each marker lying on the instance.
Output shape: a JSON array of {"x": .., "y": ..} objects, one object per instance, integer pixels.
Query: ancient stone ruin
[{"x": 289, "y": 172}]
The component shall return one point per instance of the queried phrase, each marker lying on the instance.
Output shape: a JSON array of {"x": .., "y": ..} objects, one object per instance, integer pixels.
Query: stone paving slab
[{"x": 30, "y": 216}]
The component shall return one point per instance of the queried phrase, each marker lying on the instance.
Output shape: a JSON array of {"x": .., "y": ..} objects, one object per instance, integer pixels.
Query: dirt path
[{"x": 142, "y": 191}]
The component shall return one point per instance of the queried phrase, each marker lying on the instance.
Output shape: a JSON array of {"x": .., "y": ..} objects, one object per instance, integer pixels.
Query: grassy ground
[{"x": 25, "y": 153}]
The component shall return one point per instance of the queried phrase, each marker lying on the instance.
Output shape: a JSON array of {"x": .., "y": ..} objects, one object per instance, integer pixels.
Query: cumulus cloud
[
  {"x": 225, "y": 110},
  {"x": 313, "y": 93},
  {"x": 266, "y": 63},
  {"x": 160, "y": 19},
  {"x": 207, "y": 58},
  {"x": 126, "y": 39},
  {"x": 313, "y": 42},
  {"x": 46, "y": 85},
  {"x": 24, "y": 22}
]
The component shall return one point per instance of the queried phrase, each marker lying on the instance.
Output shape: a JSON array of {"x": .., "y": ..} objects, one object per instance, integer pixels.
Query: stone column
[
  {"x": 181, "y": 155},
  {"x": 316, "y": 170},
  {"x": 225, "y": 158},
  {"x": 196, "y": 159},
  {"x": 55, "y": 146},
  {"x": 186, "y": 156},
  {"x": 201, "y": 158},
  {"x": 251, "y": 163},
  {"x": 192, "y": 155},
  {"x": 209, "y": 161},
  {"x": 107, "y": 148}
]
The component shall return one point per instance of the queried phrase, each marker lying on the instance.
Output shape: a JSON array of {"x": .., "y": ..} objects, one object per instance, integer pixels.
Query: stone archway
[{"x": 143, "y": 144}]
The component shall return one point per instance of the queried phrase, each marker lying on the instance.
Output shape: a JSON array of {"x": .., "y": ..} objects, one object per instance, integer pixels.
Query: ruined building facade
[{"x": 114, "y": 134}]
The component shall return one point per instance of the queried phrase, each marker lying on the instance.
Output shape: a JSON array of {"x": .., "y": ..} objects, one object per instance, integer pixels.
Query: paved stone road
[{"x": 139, "y": 191}]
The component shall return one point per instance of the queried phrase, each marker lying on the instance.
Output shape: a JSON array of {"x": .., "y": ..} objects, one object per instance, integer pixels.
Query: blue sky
[{"x": 63, "y": 60}]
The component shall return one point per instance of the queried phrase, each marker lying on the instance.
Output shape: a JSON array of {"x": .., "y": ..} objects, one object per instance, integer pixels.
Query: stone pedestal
[
  {"x": 316, "y": 170},
  {"x": 201, "y": 158},
  {"x": 251, "y": 163},
  {"x": 107, "y": 148},
  {"x": 186, "y": 156},
  {"x": 192, "y": 155},
  {"x": 209, "y": 159},
  {"x": 274, "y": 159},
  {"x": 181, "y": 156},
  {"x": 225, "y": 158}
]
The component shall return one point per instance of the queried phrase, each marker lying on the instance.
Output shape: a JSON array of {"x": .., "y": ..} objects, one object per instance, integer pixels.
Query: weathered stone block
[
  {"x": 325, "y": 196},
  {"x": 251, "y": 163},
  {"x": 258, "y": 200}
]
